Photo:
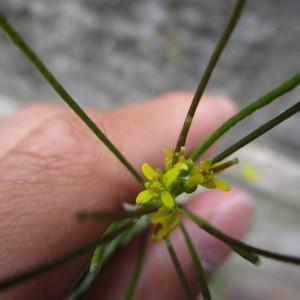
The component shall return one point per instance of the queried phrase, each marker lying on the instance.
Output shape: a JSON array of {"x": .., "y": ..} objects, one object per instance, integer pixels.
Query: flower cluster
[{"x": 181, "y": 176}]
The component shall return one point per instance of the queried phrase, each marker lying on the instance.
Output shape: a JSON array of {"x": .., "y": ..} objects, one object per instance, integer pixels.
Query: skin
[{"x": 52, "y": 167}]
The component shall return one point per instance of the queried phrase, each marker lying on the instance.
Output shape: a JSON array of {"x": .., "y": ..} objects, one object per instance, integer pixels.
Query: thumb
[{"x": 60, "y": 168}]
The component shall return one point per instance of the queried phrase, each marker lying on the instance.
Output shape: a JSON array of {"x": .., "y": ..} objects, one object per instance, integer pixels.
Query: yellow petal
[
  {"x": 222, "y": 185},
  {"x": 170, "y": 176},
  {"x": 206, "y": 164},
  {"x": 169, "y": 154},
  {"x": 196, "y": 179},
  {"x": 160, "y": 215},
  {"x": 148, "y": 171},
  {"x": 167, "y": 199},
  {"x": 144, "y": 196},
  {"x": 181, "y": 166}
]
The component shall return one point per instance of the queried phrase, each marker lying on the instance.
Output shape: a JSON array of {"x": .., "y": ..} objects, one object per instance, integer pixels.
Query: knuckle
[
  {"x": 61, "y": 146},
  {"x": 60, "y": 140},
  {"x": 63, "y": 135}
]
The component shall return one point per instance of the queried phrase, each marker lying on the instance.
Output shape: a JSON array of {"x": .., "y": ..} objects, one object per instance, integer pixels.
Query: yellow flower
[
  {"x": 205, "y": 173},
  {"x": 169, "y": 156},
  {"x": 162, "y": 188},
  {"x": 165, "y": 221},
  {"x": 158, "y": 188}
]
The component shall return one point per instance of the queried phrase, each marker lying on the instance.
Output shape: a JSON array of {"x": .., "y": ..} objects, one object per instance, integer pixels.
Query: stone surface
[{"x": 111, "y": 52}]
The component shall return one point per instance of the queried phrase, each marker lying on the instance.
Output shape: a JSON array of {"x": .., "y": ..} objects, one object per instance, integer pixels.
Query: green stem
[
  {"x": 137, "y": 270},
  {"x": 93, "y": 269},
  {"x": 61, "y": 91},
  {"x": 235, "y": 244},
  {"x": 197, "y": 263},
  {"x": 83, "y": 284},
  {"x": 246, "y": 254},
  {"x": 42, "y": 268},
  {"x": 180, "y": 273},
  {"x": 285, "y": 87},
  {"x": 259, "y": 132},
  {"x": 99, "y": 216},
  {"x": 208, "y": 72}
]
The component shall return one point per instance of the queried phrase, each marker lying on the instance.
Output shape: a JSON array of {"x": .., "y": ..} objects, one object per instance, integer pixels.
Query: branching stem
[
  {"x": 258, "y": 132},
  {"x": 238, "y": 8},
  {"x": 238, "y": 244},
  {"x": 272, "y": 95}
]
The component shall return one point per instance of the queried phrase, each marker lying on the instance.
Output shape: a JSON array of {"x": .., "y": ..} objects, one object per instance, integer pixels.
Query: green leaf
[
  {"x": 137, "y": 270},
  {"x": 251, "y": 257},
  {"x": 180, "y": 273},
  {"x": 88, "y": 279},
  {"x": 116, "y": 215},
  {"x": 245, "y": 253},
  {"x": 197, "y": 263}
]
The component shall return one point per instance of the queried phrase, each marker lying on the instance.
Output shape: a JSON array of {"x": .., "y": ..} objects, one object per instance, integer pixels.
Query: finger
[
  {"x": 158, "y": 125},
  {"x": 15, "y": 128},
  {"x": 158, "y": 279},
  {"x": 60, "y": 168}
]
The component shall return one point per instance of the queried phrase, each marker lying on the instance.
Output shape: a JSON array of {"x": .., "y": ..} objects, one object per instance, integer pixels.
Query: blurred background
[{"x": 110, "y": 52}]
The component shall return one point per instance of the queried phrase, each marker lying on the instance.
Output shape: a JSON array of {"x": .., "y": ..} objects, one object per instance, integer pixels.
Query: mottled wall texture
[{"x": 109, "y": 52}]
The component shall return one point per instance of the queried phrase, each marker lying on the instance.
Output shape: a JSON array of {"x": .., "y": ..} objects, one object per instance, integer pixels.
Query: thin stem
[
  {"x": 42, "y": 268},
  {"x": 283, "y": 88},
  {"x": 224, "y": 165},
  {"x": 93, "y": 269},
  {"x": 259, "y": 132},
  {"x": 137, "y": 269},
  {"x": 197, "y": 263},
  {"x": 238, "y": 244},
  {"x": 246, "y": 254},
  {"x": 86, "y": 279},
  {"x": 180, "y": 273},
  {"x": 113, "y": 215},
  {"x": 61, "y": 91},
  {"x": 208, "y": 72}
]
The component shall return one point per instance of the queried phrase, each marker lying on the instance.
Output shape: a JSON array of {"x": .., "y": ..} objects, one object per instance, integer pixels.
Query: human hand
[{"x": 52, "y": 167}]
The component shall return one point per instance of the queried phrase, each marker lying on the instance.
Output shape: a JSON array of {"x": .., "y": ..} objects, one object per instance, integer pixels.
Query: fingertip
[{"x": 223, "y": 103}]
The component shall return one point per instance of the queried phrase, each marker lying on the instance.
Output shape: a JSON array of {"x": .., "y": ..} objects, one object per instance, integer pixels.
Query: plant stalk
[
  {"x": 258, "y": 132},
  {"x": 235, "y": 244},
  {"x": 268, "y": 98},
  {"x": 238, "y": 8}
]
